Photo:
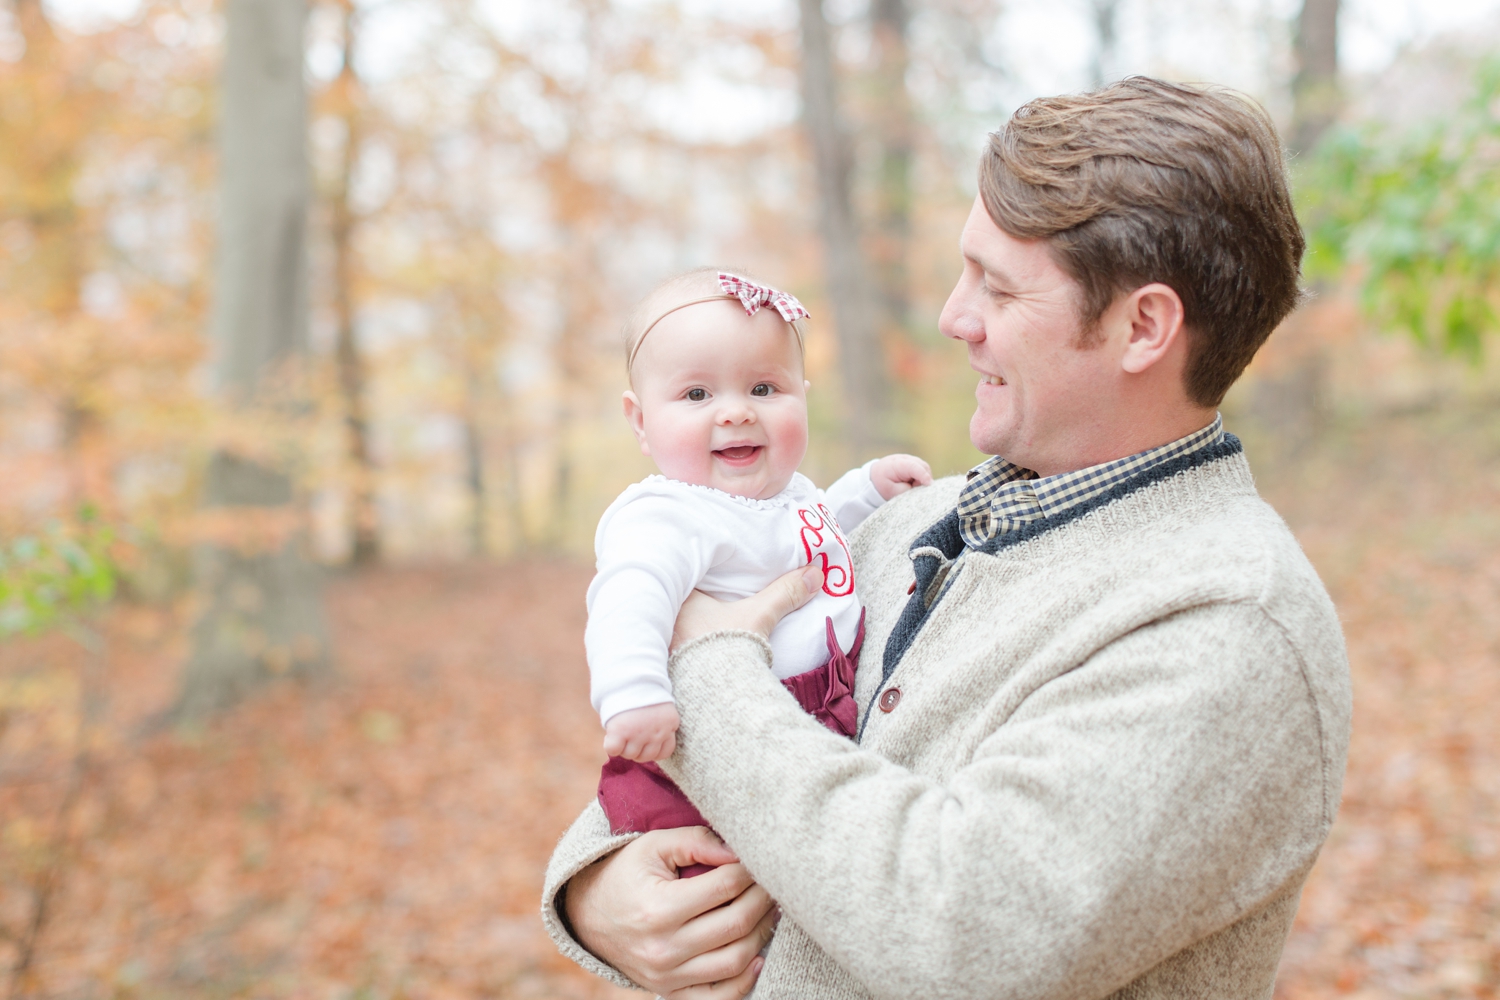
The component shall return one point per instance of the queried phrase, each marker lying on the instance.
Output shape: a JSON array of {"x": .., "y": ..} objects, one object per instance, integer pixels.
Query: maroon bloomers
[{"x": 638, "y": 796}]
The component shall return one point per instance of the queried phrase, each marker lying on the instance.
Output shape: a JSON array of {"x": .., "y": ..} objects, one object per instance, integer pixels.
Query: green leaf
[
  {"x": 1418, "y": 213},
  {"x": 56, "y": 576}
]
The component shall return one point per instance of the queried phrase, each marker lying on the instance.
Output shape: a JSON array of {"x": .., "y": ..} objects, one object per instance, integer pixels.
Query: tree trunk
[
  {"x": 1315, "y": 88},
  {"x": 48, "y": 175},
  {"x": 44, "y": 179},
  {"x": 514, "y": 497},
  {"x": 479, "y": 540},
  {"x": 262, "y": 615},
  {"x": 348, "y": 97},
  {"x": 896, "y": 128},
  {"x": 856, "y": 310},
  {"x": 572, "y": 353},
  {"x": 1289, "y": 399},
  {"x": 1106, "y": 35}
]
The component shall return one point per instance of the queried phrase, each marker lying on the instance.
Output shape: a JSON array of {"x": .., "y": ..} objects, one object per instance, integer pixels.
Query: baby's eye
[
  {"x": 762, "y": 389},
  {"x": 697, "y": 395}
]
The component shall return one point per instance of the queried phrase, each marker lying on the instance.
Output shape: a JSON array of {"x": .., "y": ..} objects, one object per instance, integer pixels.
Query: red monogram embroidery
[{"x": 838, "y": 577}]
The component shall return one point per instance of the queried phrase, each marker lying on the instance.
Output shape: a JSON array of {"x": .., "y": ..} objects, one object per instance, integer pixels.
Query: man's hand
[
  {"x": 702, "y": 614},
  {"x": 893, "y": 475},
  {"x": 687, "y": 939},
  {"x": 639, "y": 734}
]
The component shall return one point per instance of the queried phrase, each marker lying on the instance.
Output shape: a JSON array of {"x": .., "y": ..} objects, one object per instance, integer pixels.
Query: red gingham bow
[{"x": 753, "y": 296}]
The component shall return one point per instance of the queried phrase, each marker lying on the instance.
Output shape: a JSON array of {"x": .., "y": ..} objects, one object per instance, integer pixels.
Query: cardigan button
[{"x": 890, "y": 699}]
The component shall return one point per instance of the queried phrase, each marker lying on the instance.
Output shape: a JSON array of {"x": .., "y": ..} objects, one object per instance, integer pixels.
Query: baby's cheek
[
  {"x": 682, "y": 454},
  {"x": 789, "y": 437}
]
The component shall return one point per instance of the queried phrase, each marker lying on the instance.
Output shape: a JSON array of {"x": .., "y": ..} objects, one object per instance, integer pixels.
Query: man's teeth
[{"x": 994, "y": 380}]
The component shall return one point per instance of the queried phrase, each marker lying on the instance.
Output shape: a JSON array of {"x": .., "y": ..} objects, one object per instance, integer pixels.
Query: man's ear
[
  {"x": 637, "y": 418},
  {"x": 1155, "y": 314}
]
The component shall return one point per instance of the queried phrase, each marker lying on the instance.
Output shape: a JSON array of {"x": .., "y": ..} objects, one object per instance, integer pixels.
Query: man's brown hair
[{"x": 1146, "y": 181}]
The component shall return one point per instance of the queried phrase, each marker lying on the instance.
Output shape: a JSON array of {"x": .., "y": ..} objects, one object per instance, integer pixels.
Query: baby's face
[{"x": 719, "y": 399}]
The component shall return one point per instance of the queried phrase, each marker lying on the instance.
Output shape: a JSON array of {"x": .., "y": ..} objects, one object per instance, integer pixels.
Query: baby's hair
[{"x": 679, "y": 290}]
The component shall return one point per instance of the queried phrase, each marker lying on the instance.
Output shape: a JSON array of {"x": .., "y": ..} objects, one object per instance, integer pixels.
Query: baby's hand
[
  {"x": 641, "y": 734},
  {"x": 895, "y": 474}
]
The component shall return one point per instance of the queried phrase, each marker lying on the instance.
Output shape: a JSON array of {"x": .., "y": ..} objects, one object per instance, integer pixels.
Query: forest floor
[{"x": 382, "y": 834}]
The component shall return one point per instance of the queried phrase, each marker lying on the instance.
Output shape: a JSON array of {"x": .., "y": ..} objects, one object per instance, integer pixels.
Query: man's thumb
[
  {"x": 694, "y": 845},
  {"x": 785, "y": 594},
  {"x": 801, "y": 586}
]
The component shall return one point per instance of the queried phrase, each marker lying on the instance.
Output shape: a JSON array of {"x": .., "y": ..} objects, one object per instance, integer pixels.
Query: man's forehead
[
  {"x": 980, "y": 238},
  {"x": 998, "y": 253}
]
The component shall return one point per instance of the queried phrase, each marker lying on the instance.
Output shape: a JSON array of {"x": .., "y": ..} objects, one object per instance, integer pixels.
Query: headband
[{"x": 749, "y": 294}]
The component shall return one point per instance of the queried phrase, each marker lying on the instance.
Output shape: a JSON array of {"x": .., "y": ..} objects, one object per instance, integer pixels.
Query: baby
[{"x": 718, "y": 402}]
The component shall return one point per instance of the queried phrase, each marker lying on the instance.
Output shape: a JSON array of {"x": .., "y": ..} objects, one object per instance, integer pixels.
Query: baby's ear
[{"x": 637, "y": 417}]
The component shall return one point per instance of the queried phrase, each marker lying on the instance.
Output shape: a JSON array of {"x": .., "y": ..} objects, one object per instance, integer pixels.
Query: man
[{"x": 1105, "y": 698}]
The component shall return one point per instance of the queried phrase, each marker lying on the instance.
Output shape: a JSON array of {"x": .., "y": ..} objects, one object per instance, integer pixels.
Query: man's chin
[{"x": 986, "y": 437}]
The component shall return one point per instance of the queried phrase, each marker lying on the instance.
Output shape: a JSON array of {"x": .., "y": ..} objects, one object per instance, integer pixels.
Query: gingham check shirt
[{"x": 1001, "y": 496}]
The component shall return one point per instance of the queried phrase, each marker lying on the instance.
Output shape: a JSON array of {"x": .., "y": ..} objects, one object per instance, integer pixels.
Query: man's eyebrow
[
  {"x": 969, "y": 255},
  {"x": 990, "y": 269}
]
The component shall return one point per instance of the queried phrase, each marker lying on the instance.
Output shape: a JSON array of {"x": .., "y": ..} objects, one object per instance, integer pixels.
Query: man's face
[{"x": 1041, "y": 396}]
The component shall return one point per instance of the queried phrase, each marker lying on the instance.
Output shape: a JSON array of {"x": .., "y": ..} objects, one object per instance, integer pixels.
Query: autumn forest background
[{"x": 309, "y": 402}]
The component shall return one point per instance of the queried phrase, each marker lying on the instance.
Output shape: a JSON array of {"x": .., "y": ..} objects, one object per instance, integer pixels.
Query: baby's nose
[{"x": 735, "y": 412}]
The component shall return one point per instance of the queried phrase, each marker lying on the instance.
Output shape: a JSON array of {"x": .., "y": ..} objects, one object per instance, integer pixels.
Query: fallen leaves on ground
[
  {"x": 381, "y": 834},
  {"x": 1402, "y": 519}
]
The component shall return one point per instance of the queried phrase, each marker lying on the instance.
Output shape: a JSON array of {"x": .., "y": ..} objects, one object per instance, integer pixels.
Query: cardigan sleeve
[
  {"x": 1123, "y": 811},
  {"x": 586, "y": 841}
]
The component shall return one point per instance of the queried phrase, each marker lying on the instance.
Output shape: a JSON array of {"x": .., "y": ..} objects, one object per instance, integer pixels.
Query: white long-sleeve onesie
[{"x": 662, "y": 539}]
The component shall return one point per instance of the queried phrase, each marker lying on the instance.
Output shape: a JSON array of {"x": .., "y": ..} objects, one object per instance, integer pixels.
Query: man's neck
[{"x": 1124, "y": 442}]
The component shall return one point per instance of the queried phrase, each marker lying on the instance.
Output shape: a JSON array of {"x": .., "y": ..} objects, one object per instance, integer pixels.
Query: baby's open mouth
[{"x": 740, "y": 454}]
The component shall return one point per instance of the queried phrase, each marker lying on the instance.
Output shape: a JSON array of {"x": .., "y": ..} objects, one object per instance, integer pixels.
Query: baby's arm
[
  {"x": 859, "y": 493},
  {"x": 651, "y": 554}
]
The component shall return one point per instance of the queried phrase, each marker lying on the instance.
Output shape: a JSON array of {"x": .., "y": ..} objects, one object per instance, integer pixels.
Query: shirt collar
[{"x": 1000, "y": 495}]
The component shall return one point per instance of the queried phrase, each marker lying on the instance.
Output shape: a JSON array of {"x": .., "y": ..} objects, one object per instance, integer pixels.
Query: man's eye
[
  {"x": 761, "y": 389},
  {"x": 697, "y": 395}
]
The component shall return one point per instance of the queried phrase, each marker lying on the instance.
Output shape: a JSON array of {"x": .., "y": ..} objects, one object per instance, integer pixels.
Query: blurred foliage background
[{"x": 309, "y": 401}]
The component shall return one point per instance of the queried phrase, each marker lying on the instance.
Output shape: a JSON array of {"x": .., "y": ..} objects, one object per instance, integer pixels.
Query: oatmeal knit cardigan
[{"x": 1117, "y": 747}]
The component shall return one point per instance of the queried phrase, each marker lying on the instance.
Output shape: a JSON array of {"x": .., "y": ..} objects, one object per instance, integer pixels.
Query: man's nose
[{"x": 961, "y": 318}]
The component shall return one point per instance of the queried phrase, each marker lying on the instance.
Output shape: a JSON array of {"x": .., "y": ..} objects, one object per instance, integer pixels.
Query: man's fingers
[
  {"x": 657, "y": 856},
  {"x": 695, "y": 845},
  {"x": 741, "y": 919},
  {"x": 726, "y": 989},
  {"x": 737, "y": 962}
]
